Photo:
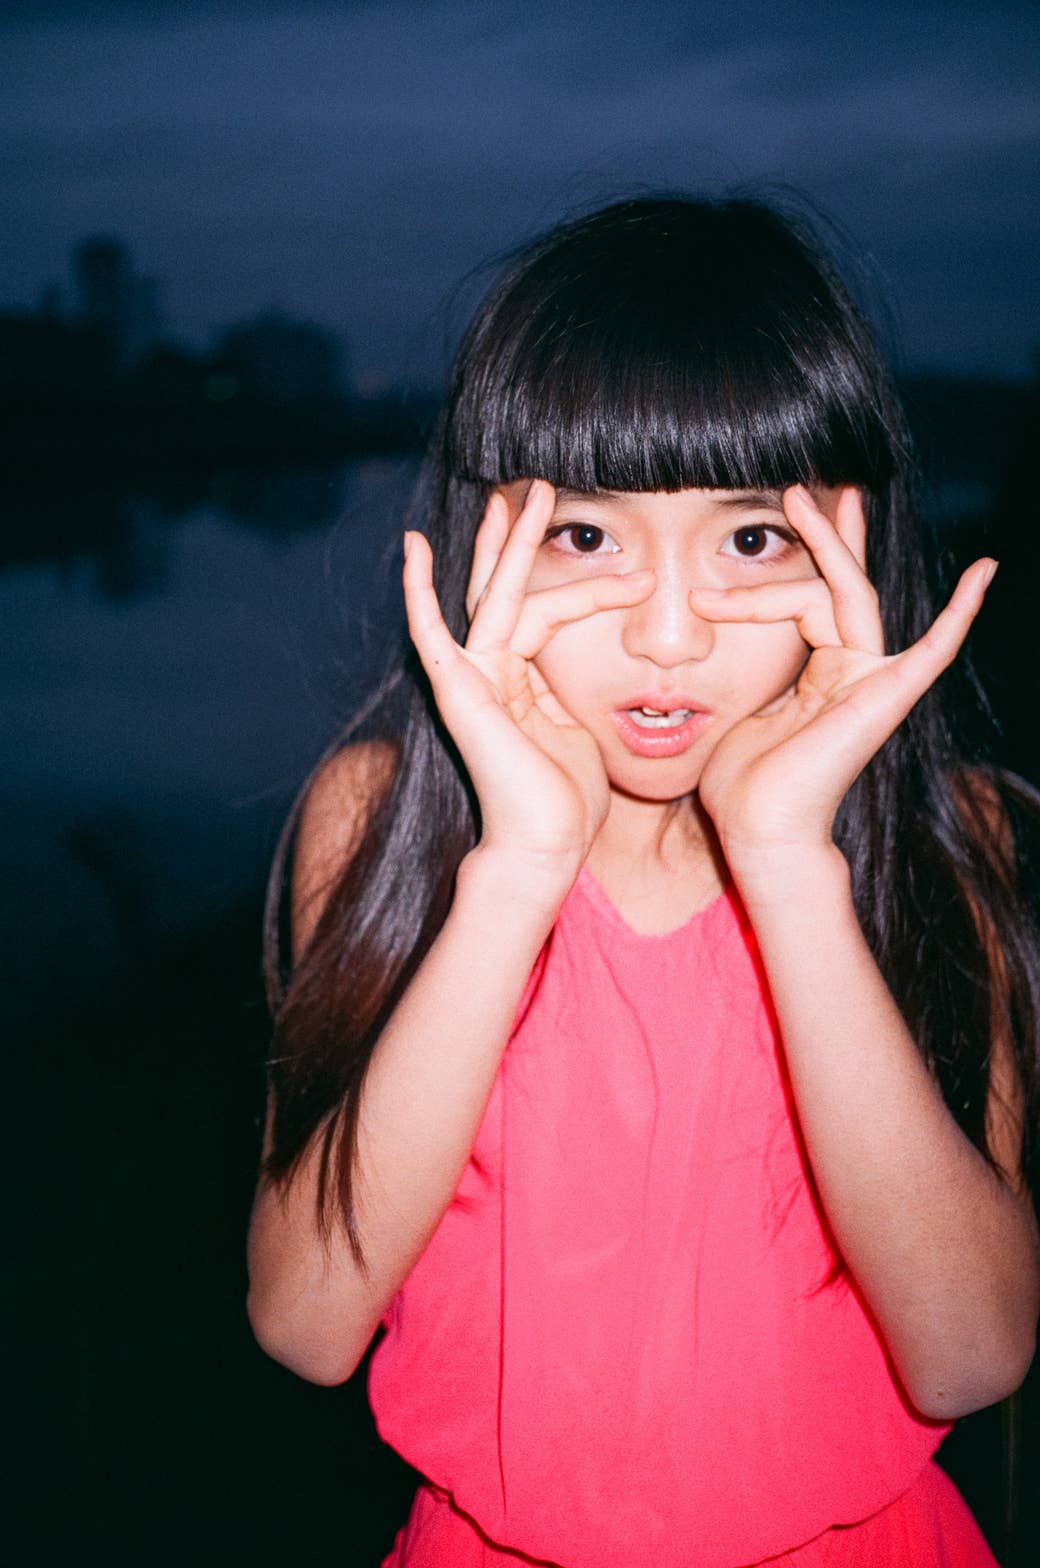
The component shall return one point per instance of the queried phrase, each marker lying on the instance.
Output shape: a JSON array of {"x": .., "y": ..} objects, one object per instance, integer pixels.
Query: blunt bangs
[{"x": 670, "y": 344}]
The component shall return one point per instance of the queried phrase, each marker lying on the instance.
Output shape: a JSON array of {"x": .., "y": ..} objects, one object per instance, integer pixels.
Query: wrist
[
  {"x": 535, "y": 884},
  {"x": 773, "y": 876}
]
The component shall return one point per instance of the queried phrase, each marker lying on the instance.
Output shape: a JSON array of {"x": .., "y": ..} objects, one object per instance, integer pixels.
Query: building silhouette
[
  {"x": 116, "y": 304},
  {"x": 277, "y": 359}
]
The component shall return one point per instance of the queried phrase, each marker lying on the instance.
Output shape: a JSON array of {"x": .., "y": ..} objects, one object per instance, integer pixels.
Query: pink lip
[{"x": 661, "y": 743}]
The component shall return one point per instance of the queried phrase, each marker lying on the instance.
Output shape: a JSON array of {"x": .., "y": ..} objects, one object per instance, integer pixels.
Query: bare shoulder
[{"x": 335, "y": 812}]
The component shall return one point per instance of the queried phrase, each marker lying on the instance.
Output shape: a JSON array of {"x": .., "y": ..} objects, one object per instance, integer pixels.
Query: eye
[
  {"x": 761, "y": 542},
  {"x": 580, "y": 539}
]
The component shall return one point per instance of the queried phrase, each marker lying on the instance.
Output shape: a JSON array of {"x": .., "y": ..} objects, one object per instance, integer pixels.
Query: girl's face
[{"x": 655, "y": 684}]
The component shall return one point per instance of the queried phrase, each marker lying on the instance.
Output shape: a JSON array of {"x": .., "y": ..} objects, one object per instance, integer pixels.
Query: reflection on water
[
  {"x": 283, "y": 500},
  {"x": 119, "y": 528},
  {"x": 174, "y": 665}
]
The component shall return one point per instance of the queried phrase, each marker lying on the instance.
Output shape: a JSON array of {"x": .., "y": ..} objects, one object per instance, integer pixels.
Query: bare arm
[
  {"x": 424, "y": 1096},
  {"x": 943, "y": 1247},
  {"x": 543, "y": 793}
]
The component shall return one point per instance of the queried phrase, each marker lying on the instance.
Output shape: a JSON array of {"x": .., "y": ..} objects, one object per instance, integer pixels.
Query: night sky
[{"x": 351, "y": 162}]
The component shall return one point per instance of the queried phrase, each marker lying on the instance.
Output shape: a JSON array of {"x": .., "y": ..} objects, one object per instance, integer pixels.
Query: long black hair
[{"x": 658, "y": 344}]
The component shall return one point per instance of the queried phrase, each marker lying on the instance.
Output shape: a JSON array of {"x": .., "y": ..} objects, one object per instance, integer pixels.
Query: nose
[{"x": 663, "y": 628}]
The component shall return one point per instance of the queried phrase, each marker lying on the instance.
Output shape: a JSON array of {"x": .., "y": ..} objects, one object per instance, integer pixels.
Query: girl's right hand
[{"x": 538, "y": 775}]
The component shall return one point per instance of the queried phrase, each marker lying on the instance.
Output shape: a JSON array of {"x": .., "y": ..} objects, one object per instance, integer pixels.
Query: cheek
[
  {"x": 574, "y": 653},
  {"x": 765, "y": 660}
]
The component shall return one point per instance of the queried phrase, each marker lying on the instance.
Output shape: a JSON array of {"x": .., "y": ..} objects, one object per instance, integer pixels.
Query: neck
[
  {"x": 648, "y": 837},
  {"x": 659, "y": 862}
]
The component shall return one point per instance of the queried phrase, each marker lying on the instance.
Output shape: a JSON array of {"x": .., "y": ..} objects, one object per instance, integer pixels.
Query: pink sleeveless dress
[{"x": 628, "y": 1342}]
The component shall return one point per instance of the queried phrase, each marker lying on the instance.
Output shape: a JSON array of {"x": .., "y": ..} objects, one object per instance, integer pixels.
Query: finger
[
  {"x": 427, "y": 628},
  {"x": 487, "y": 547},
  {"x": 851, "y": 523},
  {"x": 467, "y": 701},
  {"x": 498, "y": 610},
  {"x": 805, "y": 600},
  {"x": 926, "y": 659},
  {"x": 874, "y": 706},
  {"x": 856, "y": 611},
  {"x": 547, "y": 610}
]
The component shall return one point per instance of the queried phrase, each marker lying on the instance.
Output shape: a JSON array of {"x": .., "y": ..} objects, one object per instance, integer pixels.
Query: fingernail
[
  {"x": 407, "y": 543},
  {"x": 643, "y": 571},
  {"x": 991, "y": 572},
  {"x": 708, "y": 593}
]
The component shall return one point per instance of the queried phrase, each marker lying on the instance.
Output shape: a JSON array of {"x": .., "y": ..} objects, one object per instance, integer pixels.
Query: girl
[{"x": 659, "y": 1060}]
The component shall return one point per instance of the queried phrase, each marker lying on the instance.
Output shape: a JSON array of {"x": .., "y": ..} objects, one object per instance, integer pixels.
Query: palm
[
  {"x": 778, "y": 776},
  {"x": 532, "y": 751},
  {"x": 538, "y": 775},
  {"x": 746, "y": 778}
]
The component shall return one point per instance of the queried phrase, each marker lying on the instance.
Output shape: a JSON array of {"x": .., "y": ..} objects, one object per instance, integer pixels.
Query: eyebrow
[
  {"x": 563, "y": 493},
  {"x": 768, "y": 500}
]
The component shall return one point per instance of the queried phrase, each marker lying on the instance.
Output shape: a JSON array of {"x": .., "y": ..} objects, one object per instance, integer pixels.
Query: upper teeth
[{"x": 654, "y": 718}]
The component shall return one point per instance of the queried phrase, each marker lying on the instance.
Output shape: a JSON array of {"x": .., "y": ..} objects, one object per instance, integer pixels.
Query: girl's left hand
[{"x": 775, "y": 780}]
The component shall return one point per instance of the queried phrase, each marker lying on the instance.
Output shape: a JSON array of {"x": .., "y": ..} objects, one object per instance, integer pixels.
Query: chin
[{"x": 660, "y": 781}]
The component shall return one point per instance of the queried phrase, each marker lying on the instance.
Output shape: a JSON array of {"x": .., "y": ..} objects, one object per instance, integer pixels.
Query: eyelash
[
  {"x": 559, "y": 529},
  {"x": 790, "y": 540}
]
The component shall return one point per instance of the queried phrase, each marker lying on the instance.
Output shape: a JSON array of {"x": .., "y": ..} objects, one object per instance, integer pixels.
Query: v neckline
[{"x": 598, "y": 896}]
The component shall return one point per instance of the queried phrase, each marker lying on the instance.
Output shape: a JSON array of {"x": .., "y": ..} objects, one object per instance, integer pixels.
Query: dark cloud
[
  {"x": 353, "y": 161},
  {"x": 35, "y": 15}
]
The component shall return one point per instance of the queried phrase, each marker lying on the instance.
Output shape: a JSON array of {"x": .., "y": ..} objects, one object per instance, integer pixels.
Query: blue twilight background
[{"x": 307, "y": 193}]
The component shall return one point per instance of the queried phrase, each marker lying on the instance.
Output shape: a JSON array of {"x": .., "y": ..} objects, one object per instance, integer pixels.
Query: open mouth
[
  {"x": 660, "y": 727},
  {"x": 657, "y": 719}
]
